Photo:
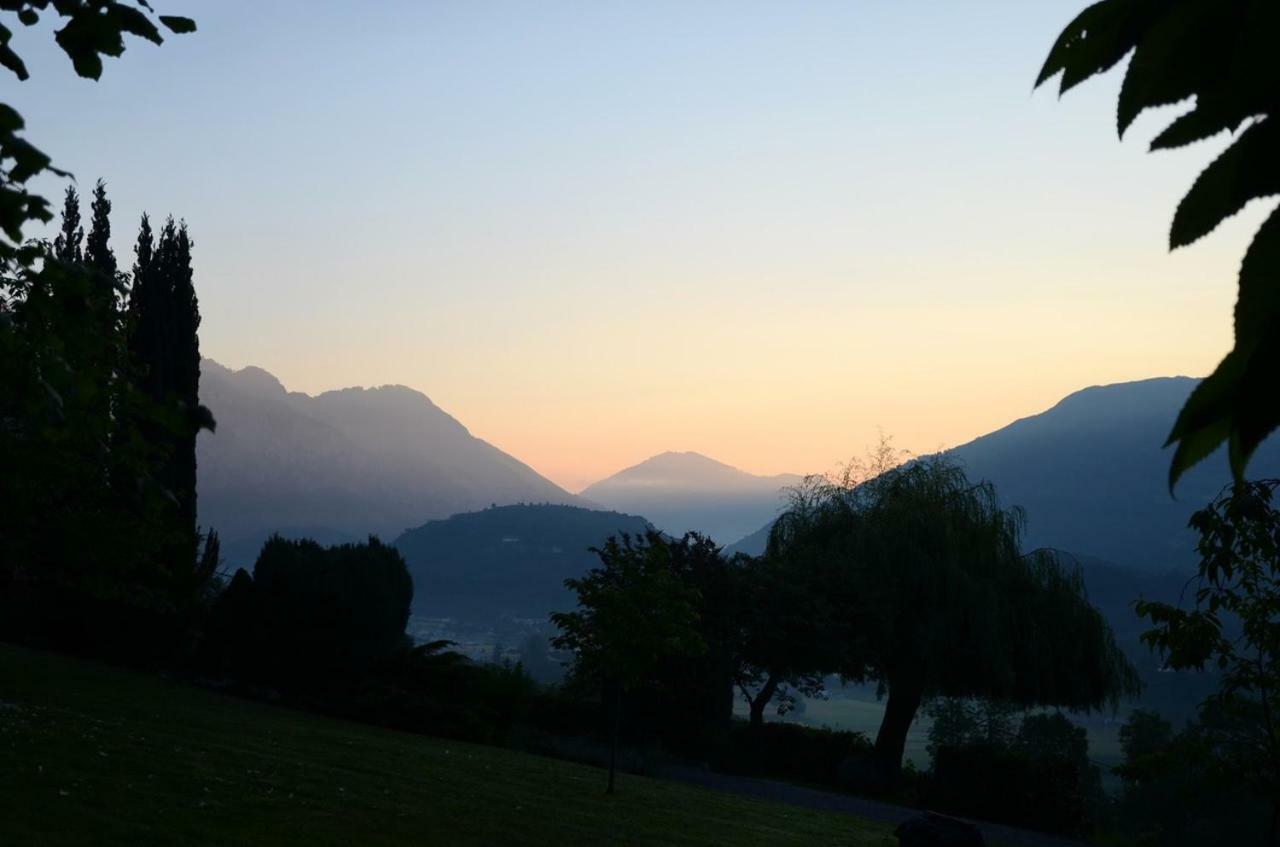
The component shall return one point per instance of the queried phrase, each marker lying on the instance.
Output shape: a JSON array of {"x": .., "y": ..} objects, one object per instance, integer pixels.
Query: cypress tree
[
  {"x": 67, "y": 245},
  {"x": 165, "y": 320},
  {"x": 97, "y": 251},
  {"x": 146, "y": 311},
  {"x": 143, "y": 250},
  {"x": 185, "y": 372}
]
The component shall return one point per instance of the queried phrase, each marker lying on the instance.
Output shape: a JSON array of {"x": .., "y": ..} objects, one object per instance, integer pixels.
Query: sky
[{"x": 595, "y": 231}]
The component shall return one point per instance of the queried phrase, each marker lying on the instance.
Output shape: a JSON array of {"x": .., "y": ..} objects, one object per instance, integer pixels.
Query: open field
[{"x": 98, "y": 755}]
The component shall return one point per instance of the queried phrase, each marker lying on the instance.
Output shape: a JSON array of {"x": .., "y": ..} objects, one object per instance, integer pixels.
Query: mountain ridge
[
  {"x": 347, "y": 462},
  {"x": 1050, "y": 464}
]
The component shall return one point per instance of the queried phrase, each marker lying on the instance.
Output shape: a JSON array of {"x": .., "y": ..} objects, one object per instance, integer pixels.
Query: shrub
[
  {"x": 790, "y": 751},
  {"x": 997, "y": 783},
  {"x": 312, "y": 617}
]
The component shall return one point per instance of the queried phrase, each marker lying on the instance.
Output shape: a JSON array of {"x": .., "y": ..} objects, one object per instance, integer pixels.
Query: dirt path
[{"x": 830, "y": 801}]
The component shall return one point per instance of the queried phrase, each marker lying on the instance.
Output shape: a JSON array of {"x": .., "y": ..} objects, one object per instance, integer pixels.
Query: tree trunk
[
  {"x": 899, "y": 711},
  {"x": 613, "y": 736},
  {"x": 762, "y": 699}
]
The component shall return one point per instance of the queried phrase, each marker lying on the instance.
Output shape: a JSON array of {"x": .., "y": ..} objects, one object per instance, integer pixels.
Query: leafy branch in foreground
[
  {"x": 91, "y": 29},
  {"x": 1223, "y": 55},
  {"x": 1234, "y": 628}
]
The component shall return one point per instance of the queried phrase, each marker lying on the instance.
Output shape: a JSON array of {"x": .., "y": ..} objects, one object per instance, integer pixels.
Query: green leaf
[
  {"x": 1198, "y": 124},
  {"x": 10, "y": 59},
  {"x": 73, "y": 40},
  {"x": 1169, "y": 61},
  {"x": 10, "y": 120},
  {"x": 1204, "y": 422},
  {"x": 28, "y": 161},
  {"x": 130, "y": 20},
  {"x": 1257, "y": 312},
  {"x": 1247, "y": 170},
  {"x": 1258, "y": 406},
  {"x": 1095, "y": 41},
  {"x": 178, "y": 25},
  {"x": 1239, "y": 402}
]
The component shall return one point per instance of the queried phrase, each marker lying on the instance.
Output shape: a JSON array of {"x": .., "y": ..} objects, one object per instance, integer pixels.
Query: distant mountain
[
  {"x": 679, "y": 492},
  {"x": 342, "y": 464},
  {"x": 507, "y": 560},
  {"x": 753, "y": 544},
  {"x": 1092, "y": 475}
]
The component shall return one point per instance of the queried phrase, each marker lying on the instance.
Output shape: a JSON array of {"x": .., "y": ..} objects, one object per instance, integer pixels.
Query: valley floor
[{"x": 97, "y": 755}]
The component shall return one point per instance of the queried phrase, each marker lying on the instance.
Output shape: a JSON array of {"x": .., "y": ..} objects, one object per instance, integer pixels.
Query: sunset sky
[{"x": 596, "y": 231}]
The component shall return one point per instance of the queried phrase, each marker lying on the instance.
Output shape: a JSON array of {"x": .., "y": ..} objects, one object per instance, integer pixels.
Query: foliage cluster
[
  {"x": 1233, "y": 628},
  {"x": 97, "y": 439},
  {"x": 933, "y": 596},
  {"x": 1221, "y": 56},
  {"x": 1183, "y": 788},
  {"x": 991, "y": 762}
]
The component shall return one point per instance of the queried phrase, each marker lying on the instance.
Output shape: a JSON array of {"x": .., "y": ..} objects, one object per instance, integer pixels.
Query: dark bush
[
  {"x": 447, "y": 695},
  {"x": 1184, "y": 788},
  {"x": 790, "y": 751},
  {"x": 310, "y": 617},
  {"x": 997, "y": 783},
  {"x": 113, "y": 628}
]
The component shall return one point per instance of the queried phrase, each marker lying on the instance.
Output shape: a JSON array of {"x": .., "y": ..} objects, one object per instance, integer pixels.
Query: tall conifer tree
[
  {"x": 165, "y": 320},
  {"x": 97, "y": 250},
  {"x": 185, "y": 373},
  {"x": 67, "y": 245}
]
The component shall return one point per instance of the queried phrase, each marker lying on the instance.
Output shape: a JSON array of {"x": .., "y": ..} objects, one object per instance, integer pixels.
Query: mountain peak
[
  {"x": 347, "y": 463},
  {"x": 681, "y": 491},
  {"x": 684, "y": 459}
]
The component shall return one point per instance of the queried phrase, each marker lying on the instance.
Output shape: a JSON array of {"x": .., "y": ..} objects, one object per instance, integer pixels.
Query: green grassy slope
[{"x": 96, "y": 755}]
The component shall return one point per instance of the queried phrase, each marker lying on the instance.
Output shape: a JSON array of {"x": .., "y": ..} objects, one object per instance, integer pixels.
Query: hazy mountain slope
[
  {"x": 687, "y": 491},
  {"x": 1093, "y": 478},
  {"x": 344, "y": 464},
  {"x": 753, "y": 544},
  {"x": 507, "y": 560}
]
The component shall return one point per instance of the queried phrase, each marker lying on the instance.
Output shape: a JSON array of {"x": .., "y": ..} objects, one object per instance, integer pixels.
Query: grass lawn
[{"x": 97, "y": 755}]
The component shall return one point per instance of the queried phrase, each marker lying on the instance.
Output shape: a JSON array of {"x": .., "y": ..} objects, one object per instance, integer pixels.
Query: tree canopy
[
  {"x": 1220, "y": 54},
  {"x": 634, "y": 611},
  {"x": 1234, "y": 628},
  {"x": 925, "y": 571}
]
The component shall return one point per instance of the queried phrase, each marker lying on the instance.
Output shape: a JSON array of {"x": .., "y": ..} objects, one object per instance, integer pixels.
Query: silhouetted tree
[
  {"x": 164, "y": 321},
  {"x": 1220, "y": 55},
  {"x": 1184, "y": 789},
  {"x": 926, "y": 569},
  {"x": 790, "y": 638},
  {"x": 690, "y": 700},
  {"x": 633, "y": 612},
  {"x": 313, "y": 617},
  {"x": 67, "y": 244},
  {"x": 1234, "y": 627},
  {"x": 97, "y": 250}
]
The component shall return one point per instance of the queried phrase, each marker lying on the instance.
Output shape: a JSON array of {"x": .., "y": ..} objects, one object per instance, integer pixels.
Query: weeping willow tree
[{"x": 936, "y": 598}]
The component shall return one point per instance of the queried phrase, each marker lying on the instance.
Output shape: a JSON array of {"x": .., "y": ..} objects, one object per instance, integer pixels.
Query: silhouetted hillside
[
  {"x": 506, "y": 560},
  {"x": 679, "y": 492},
  {"x": 1092, "y": 475},
  {"x": 342, "y": 464}
]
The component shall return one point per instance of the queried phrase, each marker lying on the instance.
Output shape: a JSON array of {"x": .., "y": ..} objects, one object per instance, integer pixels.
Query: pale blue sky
[{"x": 595, "y": 231}]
